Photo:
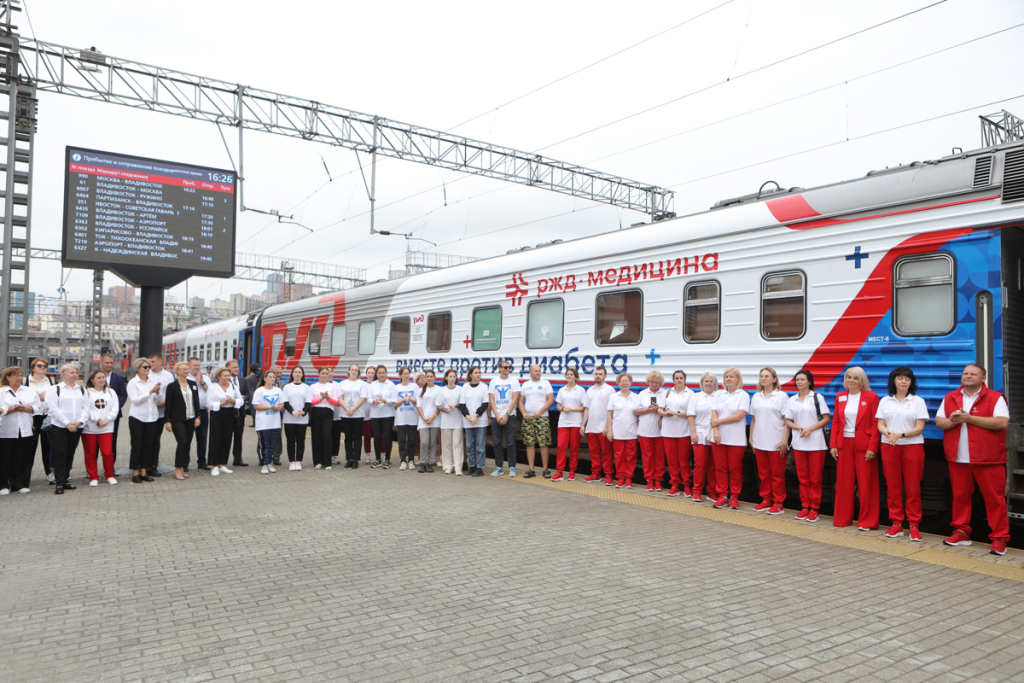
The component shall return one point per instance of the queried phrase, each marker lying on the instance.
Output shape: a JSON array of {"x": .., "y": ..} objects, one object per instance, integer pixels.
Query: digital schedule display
[{"x": 122, "y": 210}]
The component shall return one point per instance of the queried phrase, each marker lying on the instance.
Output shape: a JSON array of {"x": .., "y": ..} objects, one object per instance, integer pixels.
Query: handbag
[
  {"x": 45, "y": 426},
  {"x": 827, "y": 429}
]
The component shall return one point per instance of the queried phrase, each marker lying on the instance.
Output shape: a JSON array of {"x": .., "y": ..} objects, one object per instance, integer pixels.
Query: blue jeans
[
  {"x": 476, "y": 446},
  {"x": 268, "y": 440}
]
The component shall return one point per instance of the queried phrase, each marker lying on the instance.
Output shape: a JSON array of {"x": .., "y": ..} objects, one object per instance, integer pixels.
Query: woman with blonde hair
[
  {"x": 698, "y": 414},
  {"x": 621, "y": 429},
  {"x": 769, "y": 437},
  {"x": 18, "y": 404},
  {"x": 652, "y": 447},
  {"x": 181, "y": 409},
  {"x": 855, "y": 442},
  {"x": 729, "y": 431}
]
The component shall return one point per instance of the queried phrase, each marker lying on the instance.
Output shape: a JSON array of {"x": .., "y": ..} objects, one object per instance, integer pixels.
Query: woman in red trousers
[
  {"x": 675, "y": 434},
  {"x": 806, "y": 416},
  {"x": 729, "y": 432},
  {"x": 901, "y": 419},
  {"x": 769, "y": 437},
  {"x": 698, "y": 414},
  {"x": 855, "y": 440}
]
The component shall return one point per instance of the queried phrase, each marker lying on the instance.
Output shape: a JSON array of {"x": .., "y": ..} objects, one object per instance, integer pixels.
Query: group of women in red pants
[{"x": 702, "y": 437}]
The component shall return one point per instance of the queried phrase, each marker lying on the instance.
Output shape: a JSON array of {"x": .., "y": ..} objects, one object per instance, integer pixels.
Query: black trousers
[
  {"x": 237, "y": 431},
  {"x": 153, "y": 457},
  {"x": 201, "y": 431},
  {"x": 353, "y": 429},
  {"x": 143, "y": 434},
  {"x": 222, "y": 426},
  {"x": 65, "y": 443},
  {"x": 337, "y": 429},
  {"x": 183, "y": 432},
  {"x": 296, "y": 435},
  {"x": 382, "y": 427},
  {"x": 43, "y": 438},
  {"x": 321, "y": 422},
  {"x": 16, "y": 457},
  {"x": 407, "y": 442}
]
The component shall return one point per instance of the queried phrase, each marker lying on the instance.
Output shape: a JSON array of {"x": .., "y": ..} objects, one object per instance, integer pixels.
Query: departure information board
[{"x": 122, "y": 210}]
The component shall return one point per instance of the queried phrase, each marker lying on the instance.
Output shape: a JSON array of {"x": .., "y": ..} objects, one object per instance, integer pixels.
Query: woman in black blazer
[{"x": 181, "y": 410}]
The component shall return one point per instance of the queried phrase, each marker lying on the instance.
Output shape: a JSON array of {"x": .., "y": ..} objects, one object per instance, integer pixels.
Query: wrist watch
[{"x": 903, "y": 435}]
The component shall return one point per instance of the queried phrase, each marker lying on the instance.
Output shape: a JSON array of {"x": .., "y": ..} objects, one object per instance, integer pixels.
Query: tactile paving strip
[{"x": 822, "y": 532}]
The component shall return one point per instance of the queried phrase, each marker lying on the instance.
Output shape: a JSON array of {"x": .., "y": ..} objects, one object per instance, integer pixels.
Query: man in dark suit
[
  {"x": 238, "y": 383},
  {"x": 120, "y": 387}
]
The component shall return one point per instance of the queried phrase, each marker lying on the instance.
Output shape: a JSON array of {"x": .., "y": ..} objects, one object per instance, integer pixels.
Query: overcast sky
[{"x": 441, "y": 64}]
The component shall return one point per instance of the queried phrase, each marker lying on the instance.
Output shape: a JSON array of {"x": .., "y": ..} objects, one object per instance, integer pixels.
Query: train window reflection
[{"x": 620, "y": 318}]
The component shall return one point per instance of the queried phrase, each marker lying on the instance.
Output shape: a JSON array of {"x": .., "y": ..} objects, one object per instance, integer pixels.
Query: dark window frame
[
  {"x": 526, "y": 329},
  {"x": 408, "y": 334},
  {"x": 597, "y": 320},
  {"x": 501, "y": 326},
  {"x": 924, "y": 282},
  {"x": 718, "y": 333},
  {"x": 781, "y": 295}
]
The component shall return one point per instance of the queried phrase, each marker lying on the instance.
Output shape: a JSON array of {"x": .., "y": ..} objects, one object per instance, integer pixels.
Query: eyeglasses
[
  {"x": 40, "y": 365},
  {"x": 504, "y": 367},
  {"x": 145, "y": 367}
]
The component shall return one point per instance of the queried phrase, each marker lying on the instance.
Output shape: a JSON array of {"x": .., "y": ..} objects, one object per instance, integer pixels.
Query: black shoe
[
  {"x": 477, "y": 472},
  {"x": 239, "y": 463},
  {"x": 203, "y": 467},
  {"x": 423, "y": 468},
  {"x": 430, "y": 469},
  {"x": 277, "y": 462},
  {"x": 155, "y": 473},
  {"x": 70, "y": 487},
  {"x": 547, "y": 474},
  {"x": 355, "y": 464},
  {"x": 145, "y": 477},
  {"x": 59, "y": 490},
  {"x": 136, "y": 479},
  {"x": 348, "y": 464},
  {"x": 51, "y": 483}
]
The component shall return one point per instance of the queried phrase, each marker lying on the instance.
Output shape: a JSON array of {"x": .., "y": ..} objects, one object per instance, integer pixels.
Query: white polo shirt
[
  {"x": 571, "y": 398},
  {"x": 700, "y": 407},
  {"x": 902, "y": 416},
  {"x": 727, "y": 404},
  {"x": 676, "y": 426},
  {"x": 769, "y": 413},
  {"x": 650, "y": 424},
  {"x": 803, "y": 414},
  {"x": 624, "y": 420},
  {"x": 596, "y": 402}
]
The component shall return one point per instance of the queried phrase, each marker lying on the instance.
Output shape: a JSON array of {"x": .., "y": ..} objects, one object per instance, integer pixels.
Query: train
[{"x": 919, "y": 265}]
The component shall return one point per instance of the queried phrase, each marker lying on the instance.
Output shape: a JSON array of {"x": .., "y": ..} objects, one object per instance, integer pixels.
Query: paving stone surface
[{"x": 374, "y": 575}]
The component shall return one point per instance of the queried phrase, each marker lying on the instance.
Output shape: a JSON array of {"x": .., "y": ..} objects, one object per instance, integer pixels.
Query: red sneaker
[
  {"x": 572, "y": 476},
  {"x": 619, "y": 483},
  {"x": 688, "y": 492},
  {"x": 657, "y": 488},
  {"x": 762, "y": 506},
  {"x": 998, "y": 547},
  {"x": 734, "y": 503},
  {"x": 674, "y": 491},
  {"x": 895, "y": 531},
  {"x": 557, "y": 476},
  {"x": 776, "y": 510},
  {"x": 696, "y": 498},
  {"x": 802, "y": 515},
  {"x": 721, "y": 503},
  {"x": 609, "y": 482},
  {"x": 915, "y": 534},
  {"x": 650, "y": 486},
  {"x": 959, "y": 537},
  {"x": 592, "y": 477},
  {"x": 812, "y": 516},
  {"x": 627, "y": 483}
]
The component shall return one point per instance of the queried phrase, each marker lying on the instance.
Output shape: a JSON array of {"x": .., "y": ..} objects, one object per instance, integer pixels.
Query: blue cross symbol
[
  {"x": 857, "y": 256},
  {"x": 653, "y": 356}
]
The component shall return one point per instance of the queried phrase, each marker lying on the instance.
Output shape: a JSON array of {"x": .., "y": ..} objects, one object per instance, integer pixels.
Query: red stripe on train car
[{"x": 795, "y": 208}]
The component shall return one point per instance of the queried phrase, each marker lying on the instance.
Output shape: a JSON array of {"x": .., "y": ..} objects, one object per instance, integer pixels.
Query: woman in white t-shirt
[
  {"x": 406, "y": 418},
  {"x": 474, "y": 408},
  {"x": 621, "y": 430},
  {"x": 382, "y": 417},
  {"x": 98, "y": 431},
  {"x": 296, "y": 397},
  {"x": 652, "y": 449},
  {"x": 901, "y": 419},
  {"x": 451, "y": 423},
  {"x": 570, "y": 420},
  {"x": 698, "y": 413},
  {"x": 268, "y": 404},
  {"x": 353, "y": 394},
  {"x": 769, "y": 437},
  {"x": 729, "y": 430},
  {"x": 427, "y": 405},
  {"x": 675, "y": 434},
  {"x": 323, "y": 399},
  {"x": 809, "y": 444}
]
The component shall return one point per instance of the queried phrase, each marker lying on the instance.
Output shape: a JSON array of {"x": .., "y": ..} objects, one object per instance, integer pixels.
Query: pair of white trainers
[
  {"x": 294, "y": 466},
  {"x": 216, "y": 471},
  {"x": 267, "y": 469}
]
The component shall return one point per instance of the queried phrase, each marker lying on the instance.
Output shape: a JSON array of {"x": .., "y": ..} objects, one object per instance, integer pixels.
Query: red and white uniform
[
  {"x": 854, "y": 434},
  {"x": 977, "y": 456},
  {"x": 652, "y": 449},
  {"x": 699, "y": 408},
  {"x": 729, "y": 453},
  {"x": 768, "y": 432},
  {"x": 808, "y": 452},
  {"x": 903, "y": 464},
  {"x": 602, "y": 454},
  {"x": 622, "y": 411},
  {"x": 569, "y": 427},
  {"x": 675, "y": 435}
]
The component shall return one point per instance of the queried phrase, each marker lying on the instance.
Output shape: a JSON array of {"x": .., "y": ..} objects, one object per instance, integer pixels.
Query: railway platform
[{"x": 390, "y": 575}]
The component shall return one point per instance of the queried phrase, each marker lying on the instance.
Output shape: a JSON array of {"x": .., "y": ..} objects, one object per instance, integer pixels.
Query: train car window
[
  {"x": 924, "y": 296},
  {"x": 487, "y": 329},
  {"x": 702, "y": 307},
  {"x": 439, "y": 332},
  {"x": 620, "y": 318},
  {"x": 289, "y": 343},
  {"x": 339, "y": 338},
  {"x": 313, "y": 342},
  {"x": 234, "y": 350},
  {"x": 544, "y": 321},
  {"x": 782, "y": 305},
  {"x": 399, "y": 338},
  {"x": 367, "y": 338},
  {"x": 216, "y": 351}
]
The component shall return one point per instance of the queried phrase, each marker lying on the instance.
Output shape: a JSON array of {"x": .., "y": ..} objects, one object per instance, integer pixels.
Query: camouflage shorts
[{"x": 537, "y": 431}]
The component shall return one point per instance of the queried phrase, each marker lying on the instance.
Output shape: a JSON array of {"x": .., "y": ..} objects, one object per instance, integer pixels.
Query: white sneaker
[
  {"x": 497, "y": 472},
  {"x": 264, "y": 470},
  {"x": 215, "y": 472},
  {"x": 328, "y": 467},
  {"x": 298, "y": 466},
  {"x": 318, "y": 467},
  {"x": 291, "y": 467},
  {"x": 49, "y": 478},
  {"x": 112, "y": 481},
  {"x": 224, "y": 468},
  {"x": 271, "y": 468},
  {"x": 22, "y": 490},
  {"x": 458, "y": 473},
  {"x": 94, "y": 482},
  {"x": 402, "y": 466},
  {"x": 447, "y": 471},
  {"x": 4, "y": 492}
]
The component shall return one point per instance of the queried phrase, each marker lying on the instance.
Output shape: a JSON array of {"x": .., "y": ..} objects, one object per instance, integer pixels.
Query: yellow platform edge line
[{"x": 819, "y": 534}]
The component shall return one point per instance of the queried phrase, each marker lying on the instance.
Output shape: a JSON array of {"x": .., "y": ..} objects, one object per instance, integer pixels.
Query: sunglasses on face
[{"x": 145, "y": 367}]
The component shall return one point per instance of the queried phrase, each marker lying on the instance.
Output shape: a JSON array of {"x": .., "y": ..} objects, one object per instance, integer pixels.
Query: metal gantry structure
[{"x": 30, "y": 66}]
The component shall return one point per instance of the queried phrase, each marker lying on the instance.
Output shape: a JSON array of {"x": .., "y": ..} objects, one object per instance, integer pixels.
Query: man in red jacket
[{"x": 975, "y": 419}]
